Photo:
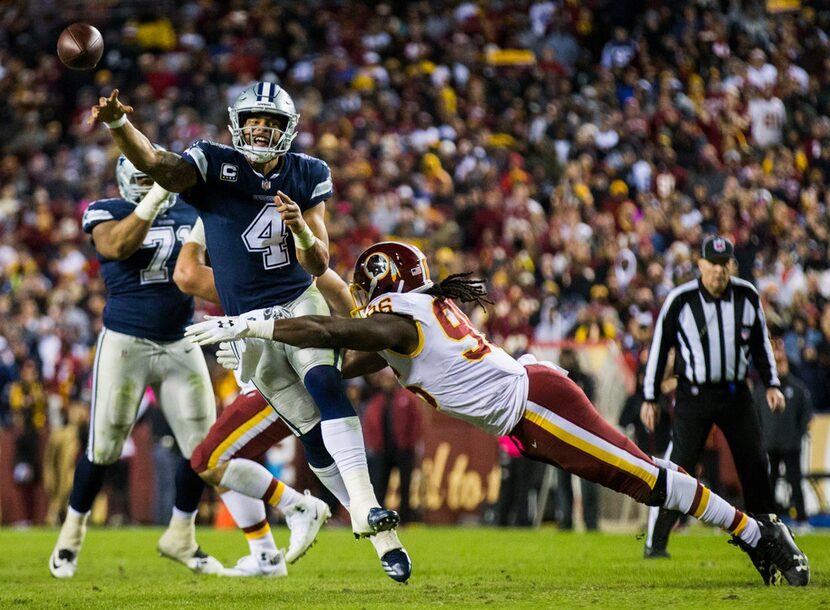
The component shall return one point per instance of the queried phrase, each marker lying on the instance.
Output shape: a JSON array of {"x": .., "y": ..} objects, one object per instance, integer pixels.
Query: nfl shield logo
[
  {"x": 266, "y": 185},
  {"x": 719, "y": 244}
]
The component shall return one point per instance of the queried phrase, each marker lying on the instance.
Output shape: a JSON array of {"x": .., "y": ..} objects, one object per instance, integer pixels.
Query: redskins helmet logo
[{"x": 378, "y": 266}]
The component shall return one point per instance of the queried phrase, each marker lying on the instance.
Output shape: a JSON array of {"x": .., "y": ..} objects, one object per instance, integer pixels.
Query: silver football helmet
[
  {"x": 263, "y": 97},
  {"x": 132, "y": 184},
  {"x": 129, "y": 180}
]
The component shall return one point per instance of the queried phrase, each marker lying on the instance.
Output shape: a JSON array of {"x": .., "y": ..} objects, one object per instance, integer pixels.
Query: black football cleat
[
  {"x": 650, "y": 553},
  {"x": 383, "y": 519},
  {"x": 397, "y": 565},
  {"x": 777, "y": 558}
]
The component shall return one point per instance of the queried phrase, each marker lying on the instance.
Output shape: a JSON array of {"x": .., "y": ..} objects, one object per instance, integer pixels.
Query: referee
[{"x": 716, "y": 325}]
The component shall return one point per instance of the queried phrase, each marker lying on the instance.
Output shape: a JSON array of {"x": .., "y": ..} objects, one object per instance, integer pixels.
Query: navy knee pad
[
  {"x": 325, "y": 384},
  {"x": 316, "y": 453}
]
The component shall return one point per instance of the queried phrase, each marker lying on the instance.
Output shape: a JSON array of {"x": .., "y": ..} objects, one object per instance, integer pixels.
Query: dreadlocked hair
[{"x": 457, "y": 286}]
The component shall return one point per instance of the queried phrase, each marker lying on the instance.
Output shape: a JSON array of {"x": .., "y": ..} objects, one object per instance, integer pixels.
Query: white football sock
[
  {"x": 249, "y": 515},
  {"x": 247, "y": 477},
  {"x": 73, "y": 530},
  {"x": 330, "y": 477},
  {"x": 688, "y": 496},
  {"x": 344, "y": 441}
]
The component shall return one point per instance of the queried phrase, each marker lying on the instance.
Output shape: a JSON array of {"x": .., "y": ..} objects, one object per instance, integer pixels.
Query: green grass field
[{"x": 454, "y": 568}]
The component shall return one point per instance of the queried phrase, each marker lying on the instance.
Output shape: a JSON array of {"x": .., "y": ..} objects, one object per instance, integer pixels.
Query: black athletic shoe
[
  {"x": 777, "y": 558},
  {"x": 383, "y": 519},
  {"x": 397, "y": 565},
  {"x": 759, "y": 560},
  {"x": 650, "y": 553}
]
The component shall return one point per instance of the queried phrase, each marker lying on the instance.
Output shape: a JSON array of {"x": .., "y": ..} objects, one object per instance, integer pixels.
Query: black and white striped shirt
[{"x": 713, "y": 338}]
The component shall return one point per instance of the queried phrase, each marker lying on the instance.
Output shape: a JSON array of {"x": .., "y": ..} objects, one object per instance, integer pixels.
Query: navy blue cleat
[
  {"x": 397, "y": 565},
  {"x": 382, "y": 519}
]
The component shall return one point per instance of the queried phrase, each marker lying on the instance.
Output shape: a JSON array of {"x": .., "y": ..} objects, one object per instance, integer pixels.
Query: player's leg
[
  {"x": 394, "y": 559},
  {"x": 186, "y": 399},
  {"x": 342, "y": 432},
  {"x": 561, "y": 427},
  {"x": 691, "y": 425},
  {"x": 226, "y": 458},
  {"x": 119, "y": 378},
  {"x": 738, "y": 421}
]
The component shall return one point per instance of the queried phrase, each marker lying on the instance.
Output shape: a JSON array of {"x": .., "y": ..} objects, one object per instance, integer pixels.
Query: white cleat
[
  {"x": 304, "y": 519},
  {"x": 180, "y": 545},
  {"x": 264, "y": 564},
  {"x": 63, "y": 563}
]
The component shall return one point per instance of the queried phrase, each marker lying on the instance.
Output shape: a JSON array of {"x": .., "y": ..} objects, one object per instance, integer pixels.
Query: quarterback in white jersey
[{"x": 411, "y": 323}]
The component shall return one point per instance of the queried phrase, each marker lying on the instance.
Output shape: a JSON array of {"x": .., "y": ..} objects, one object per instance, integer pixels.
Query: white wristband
[
  {"x": 260, "y": 329},
  {"x": 119, "y": 122},
  {"x": 149, "y": 207},
  {"x": 306, "y": 239},
  {"x": 197, "y": 234}
]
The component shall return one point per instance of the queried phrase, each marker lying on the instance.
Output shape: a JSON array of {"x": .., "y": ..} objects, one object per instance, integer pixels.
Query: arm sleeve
[
  {"x": 665, "y": 332},
  {"x": 319, "y": 185},
  {"x": 105, "y": 211},
  {"x": 760, "y": 346},
  {"x": 198, "y": 156}
]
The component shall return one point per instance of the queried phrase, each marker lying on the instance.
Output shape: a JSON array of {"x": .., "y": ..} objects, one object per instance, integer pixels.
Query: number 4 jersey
[
  {"x": 454, "y": 368},
  {"x": 250, "y": 249},
  {"x": 142, "y": 300}
]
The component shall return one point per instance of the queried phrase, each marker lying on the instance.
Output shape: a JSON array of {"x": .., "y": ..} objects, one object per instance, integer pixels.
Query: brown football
[{"x": 80, "y": 46}]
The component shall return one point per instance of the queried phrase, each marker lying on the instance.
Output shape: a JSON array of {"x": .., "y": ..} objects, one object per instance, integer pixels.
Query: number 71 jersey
[
  {"x": 454, "y": 368},
  {"x": 142, "y": 300}
]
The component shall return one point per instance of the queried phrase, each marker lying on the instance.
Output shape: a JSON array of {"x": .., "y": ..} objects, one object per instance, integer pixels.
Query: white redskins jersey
[{"x": 454, "y": 368}]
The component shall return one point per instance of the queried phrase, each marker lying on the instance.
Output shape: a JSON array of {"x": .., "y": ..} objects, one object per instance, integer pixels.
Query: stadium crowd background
[{"x": 573, "y": 154}]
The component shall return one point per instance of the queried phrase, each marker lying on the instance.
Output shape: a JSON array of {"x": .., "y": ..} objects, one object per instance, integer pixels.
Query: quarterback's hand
[
  {"x": 109, "y": 109},
  {"x": 227, "y": 357},
  {"x": 775, "y": 399},
  {"x": 217, "y": 328},
  {"x": 292, "y": 216}
]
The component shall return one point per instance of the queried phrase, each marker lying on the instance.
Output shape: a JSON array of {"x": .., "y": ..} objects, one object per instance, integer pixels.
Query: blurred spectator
[
  {"x": 392, "y": 427},
  {"x": 783, "y": 431}
]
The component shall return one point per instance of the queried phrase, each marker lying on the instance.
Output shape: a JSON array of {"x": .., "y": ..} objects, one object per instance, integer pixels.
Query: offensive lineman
[
  {"x": 137, "y": 239},
  {"x": 412, "y": 324}
]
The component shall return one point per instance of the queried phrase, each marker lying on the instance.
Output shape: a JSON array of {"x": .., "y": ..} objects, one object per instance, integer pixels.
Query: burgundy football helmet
[{"x": 388, "y": 266}]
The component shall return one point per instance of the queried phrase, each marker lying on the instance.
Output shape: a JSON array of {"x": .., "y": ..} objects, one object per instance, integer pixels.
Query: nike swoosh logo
[
  {"x": 54, "y": 565},
  {"x": 187, "y": 351},
  {"x": 533, "y": 443}
]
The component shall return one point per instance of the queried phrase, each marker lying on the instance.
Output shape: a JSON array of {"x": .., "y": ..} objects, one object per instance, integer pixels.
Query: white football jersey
[{"x": 454, "y": 368}]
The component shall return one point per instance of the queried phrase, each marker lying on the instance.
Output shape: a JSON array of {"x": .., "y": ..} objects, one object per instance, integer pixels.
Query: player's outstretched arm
[
  {"x": 191, "y": 274},
  {"x": 166, "y": 168},
  {"x": 120, "y": 239},
  {"x": 375, "y": 333}
]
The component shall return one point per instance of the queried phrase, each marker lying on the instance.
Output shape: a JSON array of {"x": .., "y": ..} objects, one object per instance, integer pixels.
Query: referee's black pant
[{"x": 730, "y": 408}]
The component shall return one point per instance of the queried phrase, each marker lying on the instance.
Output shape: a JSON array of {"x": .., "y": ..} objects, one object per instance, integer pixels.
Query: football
[{"x": 80, "y": 46}]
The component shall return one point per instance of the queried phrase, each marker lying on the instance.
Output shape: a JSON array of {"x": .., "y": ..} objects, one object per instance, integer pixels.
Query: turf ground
[{"x": 454, "y": 568}]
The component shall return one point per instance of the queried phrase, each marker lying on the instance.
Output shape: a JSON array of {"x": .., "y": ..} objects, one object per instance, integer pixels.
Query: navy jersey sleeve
[
  {"x": 198, "y": 155},
  {"x": 319, "y": 183},
  {"x": 104, "y": 211}
]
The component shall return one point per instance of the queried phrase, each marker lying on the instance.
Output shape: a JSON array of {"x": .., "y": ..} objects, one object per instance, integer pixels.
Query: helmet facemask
[{"x": 268, "y": 99}]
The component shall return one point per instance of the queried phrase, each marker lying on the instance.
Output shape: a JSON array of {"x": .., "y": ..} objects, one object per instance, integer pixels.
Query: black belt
[{"x": 724, "y": 386}]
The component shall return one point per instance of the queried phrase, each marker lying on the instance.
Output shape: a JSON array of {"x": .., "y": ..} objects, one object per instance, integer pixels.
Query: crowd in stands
[{"x": 573, "y": 154}]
